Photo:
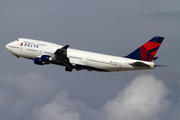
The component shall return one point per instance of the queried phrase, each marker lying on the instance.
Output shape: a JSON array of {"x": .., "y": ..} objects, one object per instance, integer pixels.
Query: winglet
[
  {"x": 62, "y": 51},
  {"x": 147, "y": 51},
  {"x": 65, "y": 47}
]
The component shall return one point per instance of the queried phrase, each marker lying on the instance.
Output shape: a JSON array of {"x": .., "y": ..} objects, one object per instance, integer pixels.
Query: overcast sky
[{"x": 115, "y": 27}]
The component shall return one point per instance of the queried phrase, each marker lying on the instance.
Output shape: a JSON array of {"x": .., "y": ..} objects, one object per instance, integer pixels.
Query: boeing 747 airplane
[{"x": 44, "y": 53}]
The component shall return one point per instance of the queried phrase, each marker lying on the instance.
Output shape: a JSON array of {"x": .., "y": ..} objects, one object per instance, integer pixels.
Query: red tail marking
[
  {"x": 151, "y": 45},
  {"x": 143, "y": 53},
  {"x": 152, "y": 55}
]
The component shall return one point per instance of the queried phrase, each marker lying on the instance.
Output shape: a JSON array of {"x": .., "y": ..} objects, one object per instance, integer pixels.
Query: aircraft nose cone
[{"x": 7, "y": 47}]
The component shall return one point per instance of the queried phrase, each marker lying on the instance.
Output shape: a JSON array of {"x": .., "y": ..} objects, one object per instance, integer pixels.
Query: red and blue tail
[{"x": 147, "y": 51}]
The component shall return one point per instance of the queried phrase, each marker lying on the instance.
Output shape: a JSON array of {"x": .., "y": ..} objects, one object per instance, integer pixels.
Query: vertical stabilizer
[{"x": 147, "y": 51}]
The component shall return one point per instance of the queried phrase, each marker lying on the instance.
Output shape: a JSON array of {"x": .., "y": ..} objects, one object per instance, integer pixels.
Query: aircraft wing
[
  {"x": 61, "y": 56},
  {"x": 62, "y": 51}
]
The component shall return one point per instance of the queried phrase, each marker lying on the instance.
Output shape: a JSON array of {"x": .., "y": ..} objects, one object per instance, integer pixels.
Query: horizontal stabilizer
[
  {"x": 155, "y": 58},
  {"x": 161, "y": 66},
  {"x": 139, "y": 64}
]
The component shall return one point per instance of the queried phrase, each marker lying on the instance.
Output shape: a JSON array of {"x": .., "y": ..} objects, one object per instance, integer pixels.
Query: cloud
[
  {"x": 143, "y": 99},
  {"x": 19, "y": 96},
  {"x": 62, "y": 107},
  {"x": 34, "y": 97}
]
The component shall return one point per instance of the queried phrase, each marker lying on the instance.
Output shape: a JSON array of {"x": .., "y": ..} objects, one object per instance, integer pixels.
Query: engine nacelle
[
  {"x": 46, "y": 58},
  {"x": 38, "y": 61}
]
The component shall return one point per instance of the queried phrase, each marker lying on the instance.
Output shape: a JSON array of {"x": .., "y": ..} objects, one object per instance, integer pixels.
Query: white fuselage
[{"x": 31, "y": 49}]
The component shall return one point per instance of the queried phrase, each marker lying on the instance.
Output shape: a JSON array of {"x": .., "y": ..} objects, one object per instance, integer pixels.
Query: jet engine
[
  {"x": 38, "y": 61},
  {"x": 44, "y": 59}
]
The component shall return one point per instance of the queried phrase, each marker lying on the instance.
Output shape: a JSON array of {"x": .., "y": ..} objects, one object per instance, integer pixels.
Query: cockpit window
[{"x": 17, "y": 40}]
